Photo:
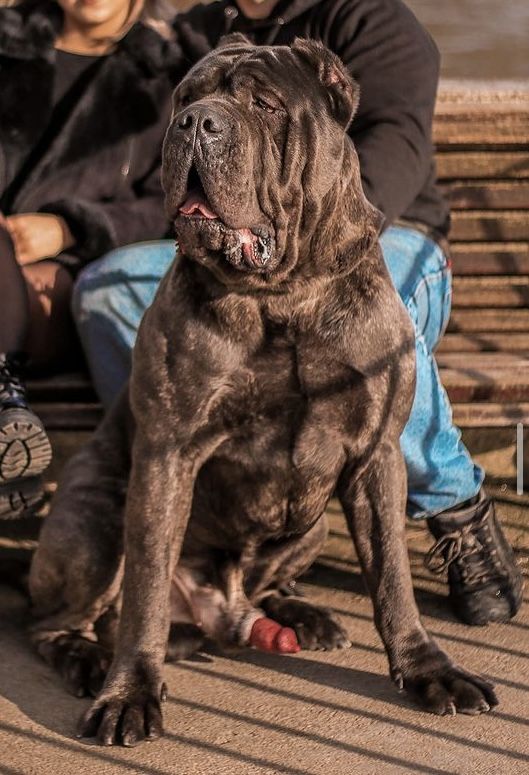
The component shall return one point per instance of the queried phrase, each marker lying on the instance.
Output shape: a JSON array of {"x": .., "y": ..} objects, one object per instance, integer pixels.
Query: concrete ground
[{"x": 315, "y": 713}]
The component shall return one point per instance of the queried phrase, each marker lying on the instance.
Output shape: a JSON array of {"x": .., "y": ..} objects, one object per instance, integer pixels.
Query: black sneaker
[
  {"x": 484, "y": 579},
  {"x": 25, "y": 450}
]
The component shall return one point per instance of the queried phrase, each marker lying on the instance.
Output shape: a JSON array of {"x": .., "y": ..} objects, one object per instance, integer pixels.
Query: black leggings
[{"x": 14, "y": 299}]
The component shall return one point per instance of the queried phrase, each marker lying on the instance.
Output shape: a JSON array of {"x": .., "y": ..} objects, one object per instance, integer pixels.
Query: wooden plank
[
  {"x": 497, "y": 385},
  {"x": 484, "y": 320},
  {"x": 487, "y": 194},
  {"x": 475, "y": 414},
  {"x": 68, "y": 416},
  {"x": 490, "y": 415},
  {"x": 482, "y": 113},
  {"x": 490, "y": 225},
  {"x": 506, "y": 291},
  {"x": 484, "y": 363},
  {"x": 489, "y": 258},
  {"x": 75, "y": 386},
  {"x": 486, "y": 341},
  {"x": 462, "y": 165},
  {"x": 481, "y": 125},
  {"x": 487, "y": 376}
]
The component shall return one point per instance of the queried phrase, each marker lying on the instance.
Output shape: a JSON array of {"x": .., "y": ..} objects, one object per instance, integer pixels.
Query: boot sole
[
  {"x": 20, "y": 498},
  {"x": 25, "y": 450},
  {"x": 493, "y": 610}
]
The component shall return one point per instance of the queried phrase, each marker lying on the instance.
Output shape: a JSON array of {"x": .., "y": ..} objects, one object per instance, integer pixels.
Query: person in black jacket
[
  {"x": 396, "y": 64},
  {"x": 84, "y": 103}
]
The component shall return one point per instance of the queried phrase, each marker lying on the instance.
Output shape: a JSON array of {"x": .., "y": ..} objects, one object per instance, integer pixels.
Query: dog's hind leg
[
  {"x": 76, "y": 574},
  {"x": 281, "y": 562}
]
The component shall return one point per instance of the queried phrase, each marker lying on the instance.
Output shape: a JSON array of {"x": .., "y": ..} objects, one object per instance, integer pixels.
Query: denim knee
[
  {"x": 87, "y": 295},
  {"x": 122, "y": 283}
]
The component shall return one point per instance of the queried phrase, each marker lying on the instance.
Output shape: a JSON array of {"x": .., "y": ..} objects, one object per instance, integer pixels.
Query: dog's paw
[
  {"x": 450, "y": 690},
  {"x": 316, "y": 628},
  {"x": 124, "y": 718},
  {"x": 81, "y": 663}
]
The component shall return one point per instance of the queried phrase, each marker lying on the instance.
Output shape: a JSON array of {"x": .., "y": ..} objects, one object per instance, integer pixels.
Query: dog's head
[{"x": 258, "y": 170}]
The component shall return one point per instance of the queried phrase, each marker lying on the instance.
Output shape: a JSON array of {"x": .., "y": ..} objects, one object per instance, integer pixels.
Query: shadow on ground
[{"x": 248, "y": 712}]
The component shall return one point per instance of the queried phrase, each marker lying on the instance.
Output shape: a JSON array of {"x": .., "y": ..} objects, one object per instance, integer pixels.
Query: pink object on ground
[{"x": 268, "y": 635}]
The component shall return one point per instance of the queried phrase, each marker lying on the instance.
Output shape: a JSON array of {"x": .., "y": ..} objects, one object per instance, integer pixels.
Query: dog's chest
[{"x": 283, "y": 453}]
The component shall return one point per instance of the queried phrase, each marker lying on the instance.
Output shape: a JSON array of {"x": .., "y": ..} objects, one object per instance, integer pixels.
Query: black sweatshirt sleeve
[
  {"x": 396, "y": 63},
  {"x": 98, "y": 227}
]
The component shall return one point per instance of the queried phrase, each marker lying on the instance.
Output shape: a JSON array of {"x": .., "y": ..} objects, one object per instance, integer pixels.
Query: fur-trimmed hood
[
  {"x": 28, "y": 31},
  {"x": 116, "y": 125}
]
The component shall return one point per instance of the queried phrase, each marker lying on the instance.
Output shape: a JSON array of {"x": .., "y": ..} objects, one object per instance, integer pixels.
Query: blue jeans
[{"x": 112, "y": 294}]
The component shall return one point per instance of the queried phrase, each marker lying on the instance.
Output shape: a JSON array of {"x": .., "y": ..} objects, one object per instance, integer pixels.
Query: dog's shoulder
[{"x": 361, "y": 317}]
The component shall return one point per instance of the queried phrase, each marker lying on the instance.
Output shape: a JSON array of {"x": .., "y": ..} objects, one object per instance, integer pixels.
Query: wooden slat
[
  {"x": 478, "y": 292},
  {"x": 462, "y": 165},
  {"x": 499, "y": 385},
  {"x": 495, "y": 377},
  {"x": 490, "y": 225},
  {"x": 490, "y": 415},
  {"x": 484, "y": 362},
  {"x": 488, "y": 258},
  {"x": 483, "y": 320},
  {"x": 485, "y": 112},
  {"x": 487, "y": 194},
  {"x": 74, "y": 386},
  {"x": 74, "y": 417},
  {"x": 480, "y": 127},
  {"x": 68, "y": 416},
  {"x": 486, "y": 341}
]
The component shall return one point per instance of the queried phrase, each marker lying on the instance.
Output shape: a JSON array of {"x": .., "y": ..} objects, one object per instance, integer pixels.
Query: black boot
[
  {"x": 484, "y": 579},
  {"x": 25, "y": 450}
]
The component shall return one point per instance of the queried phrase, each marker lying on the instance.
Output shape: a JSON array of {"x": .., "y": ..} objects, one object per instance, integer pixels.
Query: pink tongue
[{"x": 195, "y": 203}]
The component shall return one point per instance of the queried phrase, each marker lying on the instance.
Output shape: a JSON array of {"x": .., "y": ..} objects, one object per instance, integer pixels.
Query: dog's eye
[{"x": 258, "y": 102}]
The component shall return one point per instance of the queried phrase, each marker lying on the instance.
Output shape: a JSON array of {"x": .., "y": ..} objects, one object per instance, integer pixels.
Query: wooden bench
[
  {"x": 482, "y": 139},
  {"x": 481, "y": 133}
]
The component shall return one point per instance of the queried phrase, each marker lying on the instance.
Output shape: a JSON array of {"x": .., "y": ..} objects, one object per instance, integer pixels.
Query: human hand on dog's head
[{"x": 258, "y": 165}]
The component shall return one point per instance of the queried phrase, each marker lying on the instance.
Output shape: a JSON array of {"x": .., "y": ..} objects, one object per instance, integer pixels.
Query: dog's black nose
[{"x": 205, "y": 121}]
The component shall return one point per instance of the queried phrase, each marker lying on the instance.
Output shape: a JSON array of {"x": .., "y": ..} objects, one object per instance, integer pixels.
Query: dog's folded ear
[
  {"x": 343, "y": 90},
  {"x": 233, "y": 40}
]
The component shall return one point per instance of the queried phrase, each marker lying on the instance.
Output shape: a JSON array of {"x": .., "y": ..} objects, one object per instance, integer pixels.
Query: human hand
[{"x": 38, "y": 235}]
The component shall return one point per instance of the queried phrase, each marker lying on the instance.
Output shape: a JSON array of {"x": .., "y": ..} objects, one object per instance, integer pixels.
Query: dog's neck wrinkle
[{"x": 348, "y": 225}]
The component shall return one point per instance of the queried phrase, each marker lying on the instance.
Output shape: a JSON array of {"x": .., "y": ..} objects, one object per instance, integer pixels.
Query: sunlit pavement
[{"x": 313, "y": 713}]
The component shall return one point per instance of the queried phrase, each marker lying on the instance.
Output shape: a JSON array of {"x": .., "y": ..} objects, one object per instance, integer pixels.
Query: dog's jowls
[{"x": 274, "y": 368}]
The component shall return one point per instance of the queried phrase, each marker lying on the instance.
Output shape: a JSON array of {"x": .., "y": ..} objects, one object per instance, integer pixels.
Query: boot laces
[
  {"x": 11, "y": 386},
  {"x": 476, "y": 560}
]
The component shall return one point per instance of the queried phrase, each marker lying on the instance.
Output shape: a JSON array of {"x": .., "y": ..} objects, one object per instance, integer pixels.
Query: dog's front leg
[
  {"x": 128, "y": 710},
  {"x": 374, "y": 505}
]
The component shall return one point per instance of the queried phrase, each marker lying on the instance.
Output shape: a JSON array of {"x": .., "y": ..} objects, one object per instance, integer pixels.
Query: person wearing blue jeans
[{"x": 444, "y": 484}]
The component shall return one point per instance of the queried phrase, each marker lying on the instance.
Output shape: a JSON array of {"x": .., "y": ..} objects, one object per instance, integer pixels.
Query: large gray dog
[{"x": 274, "y": 368}]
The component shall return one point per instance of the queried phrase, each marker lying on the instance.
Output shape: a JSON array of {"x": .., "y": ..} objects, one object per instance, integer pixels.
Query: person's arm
[
  {"x": 396, "y": 63},
  {"x": 97, "y": 227}
]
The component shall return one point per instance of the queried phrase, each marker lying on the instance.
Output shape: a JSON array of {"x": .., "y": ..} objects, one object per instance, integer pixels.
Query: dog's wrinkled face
[{"x": 255, "y": 143}]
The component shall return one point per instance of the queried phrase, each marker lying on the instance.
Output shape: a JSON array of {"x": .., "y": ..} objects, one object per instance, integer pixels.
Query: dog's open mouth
[
  {"x": 197, "y": 207},
  {"x": 245, "y": 248},
  {"x": 196, "y": 204}
]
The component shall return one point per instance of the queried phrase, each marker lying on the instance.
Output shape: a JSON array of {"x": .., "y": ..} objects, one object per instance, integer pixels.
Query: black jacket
[
  {"x": 101, "y": 172},
  {"x": 396, "y": 64}
]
